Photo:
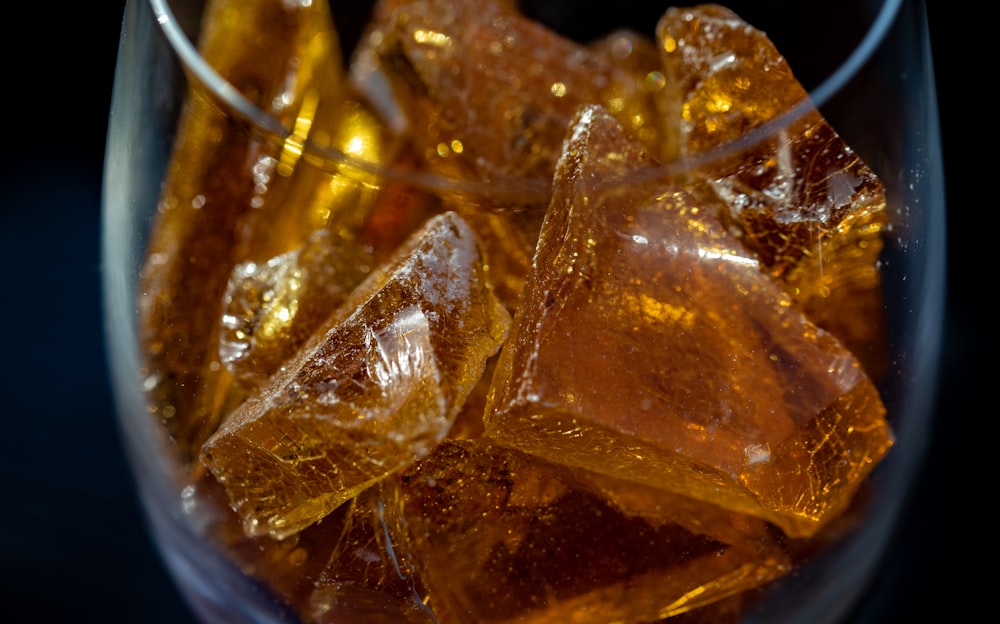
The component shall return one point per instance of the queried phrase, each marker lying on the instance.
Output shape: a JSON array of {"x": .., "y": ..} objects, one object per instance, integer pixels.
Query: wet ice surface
[{"x": 374, "y": 388}]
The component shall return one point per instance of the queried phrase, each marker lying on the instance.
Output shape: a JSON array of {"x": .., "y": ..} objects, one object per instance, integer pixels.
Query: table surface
[{"x": 72, "y": 545}]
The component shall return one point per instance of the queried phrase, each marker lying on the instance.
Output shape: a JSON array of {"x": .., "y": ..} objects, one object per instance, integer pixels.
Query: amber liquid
[{"x": 627, "y": 397}]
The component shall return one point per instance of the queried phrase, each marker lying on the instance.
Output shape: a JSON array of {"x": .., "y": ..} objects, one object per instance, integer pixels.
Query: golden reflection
[
  {"x": 431, "y": 37},
  {"x": 291, "y": 151}
]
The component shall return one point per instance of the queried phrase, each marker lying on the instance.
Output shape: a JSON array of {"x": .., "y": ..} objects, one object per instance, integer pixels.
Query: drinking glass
[{"x": 867, "y": 67}]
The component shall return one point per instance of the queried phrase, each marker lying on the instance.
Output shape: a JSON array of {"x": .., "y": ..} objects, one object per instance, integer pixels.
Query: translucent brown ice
[
  {"x": 376, "y": 387},
  {"x": 509, "y": 243},
  {"x": 802, "y": 200},
  {"x": 223, "y": 188},
  {"x": 270, "y": 308},
  {"x": 639, "y": 55},
  {"x": 348, "y": 567},
  {"x": 486, "y": 92},
  {"x": 368, "y": 577},
  {"x": 497, "y": 535},
  {"x": 650, "y": 346}
]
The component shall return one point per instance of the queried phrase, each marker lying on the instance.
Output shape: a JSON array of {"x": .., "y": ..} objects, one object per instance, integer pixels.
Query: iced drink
[{"x": 527, "y": 372}]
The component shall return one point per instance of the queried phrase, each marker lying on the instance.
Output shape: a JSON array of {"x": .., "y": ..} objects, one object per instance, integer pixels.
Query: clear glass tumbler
[{"x": 373, "y": 132}]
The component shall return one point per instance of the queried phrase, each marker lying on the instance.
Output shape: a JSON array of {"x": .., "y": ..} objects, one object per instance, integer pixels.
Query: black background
[{"x": 72, "y": 545}]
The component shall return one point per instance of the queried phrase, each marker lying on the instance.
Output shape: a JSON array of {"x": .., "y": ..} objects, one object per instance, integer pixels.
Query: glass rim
[{"x": 510, "y": 188}]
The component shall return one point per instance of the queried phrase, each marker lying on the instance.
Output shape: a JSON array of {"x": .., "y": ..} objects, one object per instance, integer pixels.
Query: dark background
[{"x": 72, "y": 545}]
